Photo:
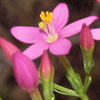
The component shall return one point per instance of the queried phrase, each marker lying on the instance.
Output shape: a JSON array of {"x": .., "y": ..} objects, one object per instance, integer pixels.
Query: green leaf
[{"x": 64, "y": 91}]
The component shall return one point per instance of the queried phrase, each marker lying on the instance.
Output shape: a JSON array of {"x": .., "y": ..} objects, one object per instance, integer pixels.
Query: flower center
[{"x": 47, "y": 26}]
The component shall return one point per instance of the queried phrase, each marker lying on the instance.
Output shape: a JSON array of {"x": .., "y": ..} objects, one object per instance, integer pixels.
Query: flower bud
[
  {"x": 86, "y": 38},
  {"x": 87, "y": 47},
  {"x": 8, "y": 48},
  {"x": 25, "y": 72},
  {"x": 46, "y": 73},
  {"x": 46, "y": 69}
]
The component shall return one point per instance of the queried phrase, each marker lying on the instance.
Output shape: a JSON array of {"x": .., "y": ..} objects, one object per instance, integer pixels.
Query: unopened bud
[
  {"x": 25, "y": 72},
  {"x": 8, "y": 48}
]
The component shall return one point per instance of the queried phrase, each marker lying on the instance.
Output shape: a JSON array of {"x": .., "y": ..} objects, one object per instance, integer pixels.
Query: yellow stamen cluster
[{"x": 46, "y": 17}]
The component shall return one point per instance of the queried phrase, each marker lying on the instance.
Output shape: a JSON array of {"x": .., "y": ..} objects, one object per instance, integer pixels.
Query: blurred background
[{"x": 26, "y": 13}]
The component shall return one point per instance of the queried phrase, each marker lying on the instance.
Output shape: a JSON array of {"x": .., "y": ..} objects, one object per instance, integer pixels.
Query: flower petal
[
  {"x": 96, "y": 33},
  {"x": 28, "y": 34},
  {"x": 60, "y": 16},
  {"x": 36, "y": 50},
  {"x": 76, "y": 26},
  {"x": 60, "y": 47}
]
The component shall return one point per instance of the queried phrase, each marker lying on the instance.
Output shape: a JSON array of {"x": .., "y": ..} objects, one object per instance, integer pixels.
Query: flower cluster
[{"x": 51, "y": 34}]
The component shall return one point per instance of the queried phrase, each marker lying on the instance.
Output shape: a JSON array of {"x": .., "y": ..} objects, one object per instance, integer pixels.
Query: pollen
[{"x": 46, "y": 17}]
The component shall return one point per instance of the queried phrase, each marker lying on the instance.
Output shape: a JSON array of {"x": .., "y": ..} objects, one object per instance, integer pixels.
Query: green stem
[
  {"x": 71, "y": 75},
  {"x": 66, "y": 66},
  {"x": 74, "y": 79},
  {"x": 87, "y": 83},
  {"x": 85, "y": 87},
  {"x": 64, "y": 91},
  {"x": 35, "y": 94},
  {"x": 84, "y": 97}
]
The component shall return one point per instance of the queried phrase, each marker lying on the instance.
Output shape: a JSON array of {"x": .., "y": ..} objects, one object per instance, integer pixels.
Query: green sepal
[
  {"x": 88, "y": 59},
  {"x": 48, "y": 86}
]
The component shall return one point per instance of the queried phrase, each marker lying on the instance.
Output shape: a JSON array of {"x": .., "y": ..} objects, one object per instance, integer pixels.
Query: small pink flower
[
  {"x": 25, "y": 72},
  {"x": 86, "y": 37},
  {"x": 46, "y": 69},
  {"x": 8, "y": 48},
  {"x": 51, "y": 33}
]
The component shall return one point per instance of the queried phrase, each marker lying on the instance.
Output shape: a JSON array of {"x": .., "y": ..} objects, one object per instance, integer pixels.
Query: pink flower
[
  {"x": 86, "y": 38},
  {"x": 25, "y": 72},
  {"x": 51, "y": 32},
  {"x": 8, "y": 48}
]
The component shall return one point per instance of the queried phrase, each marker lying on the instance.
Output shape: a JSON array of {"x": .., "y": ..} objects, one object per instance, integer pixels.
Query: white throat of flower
[{"x": 47, "y": 26}]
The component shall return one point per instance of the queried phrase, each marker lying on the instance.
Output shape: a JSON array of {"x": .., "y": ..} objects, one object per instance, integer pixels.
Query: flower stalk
[
  {"x": 35, "y": 94},
  {"x": 84, "y": 97},
  {"x": 72, "y": 77},
  {"x": 74, "y": 80},
  {"x": 87, "y": 82}
]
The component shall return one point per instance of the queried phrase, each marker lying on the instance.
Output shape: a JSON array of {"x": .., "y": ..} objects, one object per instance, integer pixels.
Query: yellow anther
[
  {"x": 46, "y": 17},
  {"x": 42, "y": 25}
]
